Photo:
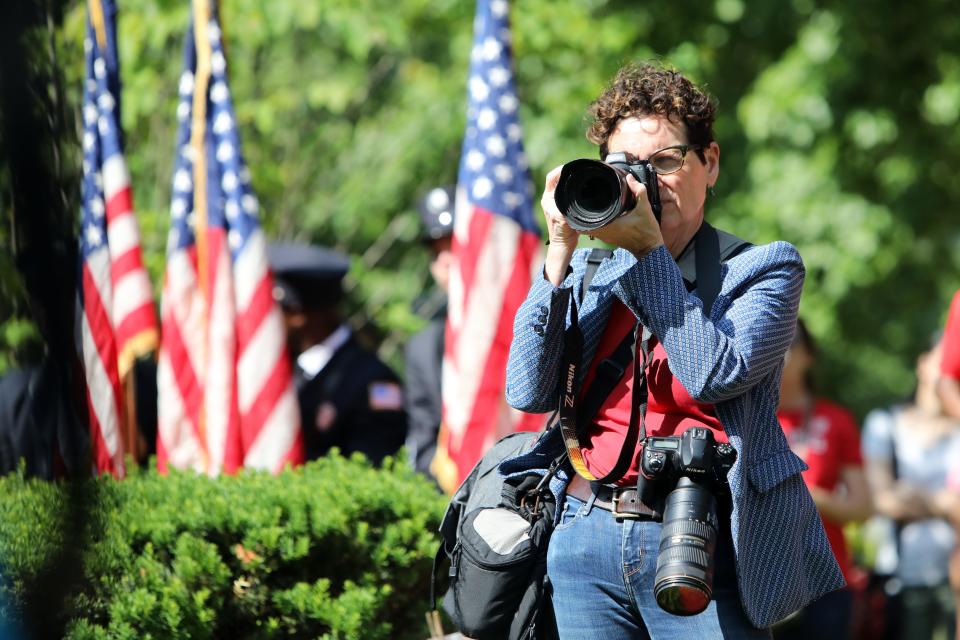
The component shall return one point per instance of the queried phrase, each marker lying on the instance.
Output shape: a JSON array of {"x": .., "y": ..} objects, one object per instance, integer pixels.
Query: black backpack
[{"x": 495, "y": 534}]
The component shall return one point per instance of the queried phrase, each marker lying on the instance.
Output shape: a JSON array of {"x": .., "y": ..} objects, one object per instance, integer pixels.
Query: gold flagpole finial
[{"x": 99, "y": 23}]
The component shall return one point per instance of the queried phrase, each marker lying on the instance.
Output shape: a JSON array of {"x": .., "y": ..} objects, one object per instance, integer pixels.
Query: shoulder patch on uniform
[
  {"x": 385, "y": 396},
  {"x": 326, "y": 416}
]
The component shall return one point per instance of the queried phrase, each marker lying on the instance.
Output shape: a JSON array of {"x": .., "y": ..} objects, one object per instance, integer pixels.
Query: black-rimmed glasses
[{"x": 670, "y": 159}]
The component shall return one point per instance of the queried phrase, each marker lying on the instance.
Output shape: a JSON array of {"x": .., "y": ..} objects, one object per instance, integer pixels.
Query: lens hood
[{"x": 591, "y": 193}]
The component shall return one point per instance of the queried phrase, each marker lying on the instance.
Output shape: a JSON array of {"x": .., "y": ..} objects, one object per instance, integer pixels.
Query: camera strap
[
  {"x": 573, "y": 423},
  {"x": 711, "y": 249}
]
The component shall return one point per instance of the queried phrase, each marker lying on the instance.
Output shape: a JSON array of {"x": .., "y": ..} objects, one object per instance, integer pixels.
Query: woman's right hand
[{"x": 563, "y": 239}]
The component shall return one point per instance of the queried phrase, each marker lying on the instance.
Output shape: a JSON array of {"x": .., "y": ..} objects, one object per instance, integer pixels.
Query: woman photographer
[{"x": 717, "y": 373}]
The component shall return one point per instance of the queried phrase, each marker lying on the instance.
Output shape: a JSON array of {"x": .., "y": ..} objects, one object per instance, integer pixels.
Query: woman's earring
[{"x": 711, "y": 191}]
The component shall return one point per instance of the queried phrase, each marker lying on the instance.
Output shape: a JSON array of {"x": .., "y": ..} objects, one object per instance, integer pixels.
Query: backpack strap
[
  {"x": 711, "y": 251},
  {"x": 434, "y": 572},
  {"x": 608, "y": 374},
  {"x": 596, "y": 256}
]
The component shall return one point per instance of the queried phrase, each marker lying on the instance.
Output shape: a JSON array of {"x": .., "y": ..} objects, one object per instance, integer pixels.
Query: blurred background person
[
  {"x": 947, "y": 504},
  {"x": 907, "y": 449},
  {"x": 348, "y": 397},
  {"x": 38, "y": 427},
  {"x": 825, "y": 436},
  {"x": 424, "y": 351},
  {"x": 949, "y": 394},
  {"x": 40, "y": 424}
]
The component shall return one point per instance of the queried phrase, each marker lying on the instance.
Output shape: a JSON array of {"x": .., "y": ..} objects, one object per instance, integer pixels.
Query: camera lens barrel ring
[
  {"x": 685, "y": 555},
  {"x": 694, "y": 528}
]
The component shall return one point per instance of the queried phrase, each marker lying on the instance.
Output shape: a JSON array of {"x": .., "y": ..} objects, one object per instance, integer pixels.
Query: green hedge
[{"x": 335, "y": 549}]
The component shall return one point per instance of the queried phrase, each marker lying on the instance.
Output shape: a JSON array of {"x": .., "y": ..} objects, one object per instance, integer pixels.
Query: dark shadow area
[{"x": 39, "y": 160}]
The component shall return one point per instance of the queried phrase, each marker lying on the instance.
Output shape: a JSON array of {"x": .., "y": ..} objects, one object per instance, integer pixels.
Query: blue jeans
[{"x": 602, "y": 571}]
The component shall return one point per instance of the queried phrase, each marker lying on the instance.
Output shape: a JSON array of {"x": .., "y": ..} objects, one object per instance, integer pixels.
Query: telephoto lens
[
  {"x": 684, "y": 582},
  {"x": 590, "y": 193}
]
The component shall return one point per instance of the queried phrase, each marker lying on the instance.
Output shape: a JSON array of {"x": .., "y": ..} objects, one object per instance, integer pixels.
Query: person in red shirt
[
  {"x": 826, "y": 437},
  {"x": 949, "y": 385}
]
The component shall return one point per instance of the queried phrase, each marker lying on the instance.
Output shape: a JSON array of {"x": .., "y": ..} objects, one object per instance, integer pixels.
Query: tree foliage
[
  {"x": 837, "y": 124},
  {"x": 39, "y": 166}
]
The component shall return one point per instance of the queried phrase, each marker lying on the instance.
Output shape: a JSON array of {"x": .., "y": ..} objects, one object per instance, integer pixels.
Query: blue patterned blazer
[{"x": 732, "y": 359}]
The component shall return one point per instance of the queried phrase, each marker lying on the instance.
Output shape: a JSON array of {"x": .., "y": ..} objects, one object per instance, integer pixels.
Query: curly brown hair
[{"x": 652, "y": 89}]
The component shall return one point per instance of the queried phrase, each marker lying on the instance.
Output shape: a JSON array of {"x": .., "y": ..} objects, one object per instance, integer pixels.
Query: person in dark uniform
[
  {"x": 32, "y": 416},
  {"x": 348, "y": 397},
  {"x": 424, "y": 351},
  {"x": 39, "y": 419}
]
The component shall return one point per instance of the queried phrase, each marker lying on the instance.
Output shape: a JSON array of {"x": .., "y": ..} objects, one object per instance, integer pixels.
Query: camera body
[
  {"x": 643, "y": 171},
  {"x": 695, "y": 454},
  {"x": 681, "y": 477},
  {"x": 591, "y": 194}
]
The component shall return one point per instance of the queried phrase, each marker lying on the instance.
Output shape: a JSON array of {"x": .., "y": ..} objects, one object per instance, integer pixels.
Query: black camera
[
  {"x": 689, "y": 471},
  {"x": 591, "y": 194}
]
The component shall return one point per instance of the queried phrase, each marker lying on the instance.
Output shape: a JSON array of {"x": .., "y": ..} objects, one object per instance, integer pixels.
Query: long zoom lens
[
  {"x": 590, "y": 194},
  {"x": 684, "y": 581}
]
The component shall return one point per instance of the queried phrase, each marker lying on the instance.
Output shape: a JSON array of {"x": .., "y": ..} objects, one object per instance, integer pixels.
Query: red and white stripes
[
  {"x": 488, "y": 282},
  {"x": 117, "y": 318},
  {"x": 226, "y": 397},
  {"x": 99, "y": 350},
  {"x": 134, "y": 317},
  {"x": 224, "y": 376},
  {"x": 198, "y": 426},
  {"x": 267, "y": 401}
]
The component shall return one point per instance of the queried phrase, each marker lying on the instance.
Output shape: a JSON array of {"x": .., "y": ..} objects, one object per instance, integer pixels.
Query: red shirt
[
  {"x": 670, "y": 409},
  {"x": 950, "y": 365},
  {"x": 829, "y": 442}
]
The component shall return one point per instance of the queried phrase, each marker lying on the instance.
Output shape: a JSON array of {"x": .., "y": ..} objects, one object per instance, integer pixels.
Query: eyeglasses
[{"x": 670, "y": 159}]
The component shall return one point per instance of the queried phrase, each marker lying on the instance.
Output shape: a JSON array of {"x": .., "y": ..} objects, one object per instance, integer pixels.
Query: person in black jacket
[
  {"x": 38, "y": 425},
  {"x": 348, "y": 397},
  {"x": 424, "y": 351}
]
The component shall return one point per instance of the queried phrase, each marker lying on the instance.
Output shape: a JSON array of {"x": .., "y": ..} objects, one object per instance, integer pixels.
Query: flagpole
[
  {"x": 443, "y": 467},
  {"x": 201, "y": 22}
]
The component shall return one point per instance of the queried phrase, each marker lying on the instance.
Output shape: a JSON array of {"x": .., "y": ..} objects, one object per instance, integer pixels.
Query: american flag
[
  {"x": 115, "y": 315},
  {"x": 226, "y": 398},
  {"x": 496, "y": 245}
]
